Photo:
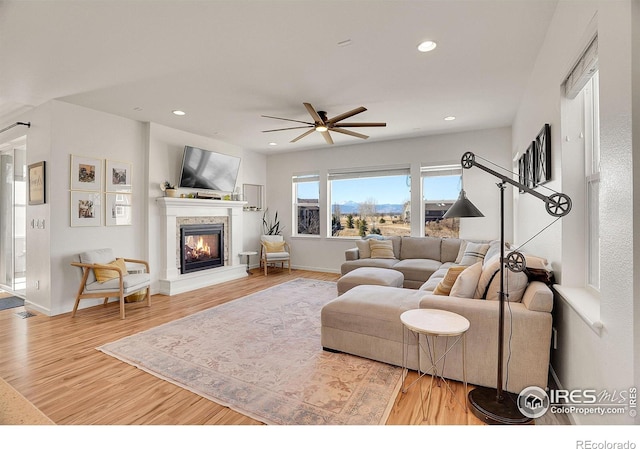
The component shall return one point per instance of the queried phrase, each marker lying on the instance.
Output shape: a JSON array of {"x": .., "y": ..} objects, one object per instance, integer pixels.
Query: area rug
[
  {"x": 261, "y": 356},
  {"x": 11, "y": 302}
]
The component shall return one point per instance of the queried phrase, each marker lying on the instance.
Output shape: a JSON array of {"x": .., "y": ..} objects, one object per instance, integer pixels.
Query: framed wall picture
[
  {"x": 37, "y": 183},
  {"x": 525, "y": 167},
  {"x": 522, "y": 171},
  {"x": 118, "y": 210},
  {"x": 86, "y": 208},
  {"x": 86, "y": 173},
  {"x": 118, "y": 177},
  {"x": 542, "y": 160}
]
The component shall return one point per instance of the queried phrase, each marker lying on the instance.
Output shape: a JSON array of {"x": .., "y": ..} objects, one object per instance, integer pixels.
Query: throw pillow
[
  {"x": 274, "y": 247},
  {"x": 474, "y": 252},
  {"x": 465, "y": 285},
  {"x": 514, "y": 284},
  {"x": 364, "y": 252},
  {"x": 536, "y": 262},
  {"x": 490, "y": 269},
  {"x": 494, "y": 248},
  {"x": 463, "y": 246},
  {"x": 103, "y": 274},
  {"x": 381, "y": 249},
  {"x": 444, "y": 286},
  {"x": 489, "y": 283}
]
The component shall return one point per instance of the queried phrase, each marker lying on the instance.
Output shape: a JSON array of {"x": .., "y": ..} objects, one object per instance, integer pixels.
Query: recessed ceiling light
[
  {"x": 449, "y": 118},
  {"x": 426, "y": 46},
  {"x": 273, "y": 144},
  {"x": 179, "y": 112}
]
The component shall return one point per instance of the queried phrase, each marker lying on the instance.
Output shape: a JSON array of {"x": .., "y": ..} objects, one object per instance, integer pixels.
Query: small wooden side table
[
  {"x": 248, "y": 255},
  {"x": 434, "y": 323}
]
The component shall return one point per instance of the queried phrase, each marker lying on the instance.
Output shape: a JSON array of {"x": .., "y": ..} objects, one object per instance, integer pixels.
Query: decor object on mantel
[
  {"x": 271, "y": 366},
  {"x": 494, "y": 405},
  {"x": 169, "y": 189}
]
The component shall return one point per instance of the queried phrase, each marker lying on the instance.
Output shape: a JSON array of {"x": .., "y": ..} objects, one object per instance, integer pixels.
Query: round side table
[
  {"x": 248, "y": 255},
  {"x": 434, "y": 323}
]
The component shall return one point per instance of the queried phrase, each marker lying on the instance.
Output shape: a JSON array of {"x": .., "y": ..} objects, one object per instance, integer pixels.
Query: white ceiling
[{"x": 226, "y": 63}]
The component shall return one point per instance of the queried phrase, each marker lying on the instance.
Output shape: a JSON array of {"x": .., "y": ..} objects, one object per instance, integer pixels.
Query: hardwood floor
[{"x": 54, "y": 363}]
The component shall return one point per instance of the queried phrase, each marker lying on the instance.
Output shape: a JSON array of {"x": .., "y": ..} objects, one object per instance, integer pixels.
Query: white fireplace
[{"x": 176, "y": 212}]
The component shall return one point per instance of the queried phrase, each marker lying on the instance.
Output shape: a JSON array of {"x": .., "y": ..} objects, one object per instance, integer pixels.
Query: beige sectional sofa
[
  {"x": 365, "y": 320},
  {"x": 417, "y": 258}
]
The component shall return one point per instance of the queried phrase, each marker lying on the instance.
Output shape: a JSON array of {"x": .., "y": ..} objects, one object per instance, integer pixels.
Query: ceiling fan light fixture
[
  {"x": 321, "y": 128},
  {"x": 427, "y": 46}
]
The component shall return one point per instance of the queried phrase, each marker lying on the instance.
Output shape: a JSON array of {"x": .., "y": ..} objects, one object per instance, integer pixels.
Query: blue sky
[{"x": 391, "y": 190}]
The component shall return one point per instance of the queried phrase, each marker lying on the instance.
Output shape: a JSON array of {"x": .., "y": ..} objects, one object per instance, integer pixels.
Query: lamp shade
[{"x": 463, "y": 208}]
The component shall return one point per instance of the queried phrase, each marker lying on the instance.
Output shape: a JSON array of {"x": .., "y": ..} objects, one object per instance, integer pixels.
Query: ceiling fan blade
[
  {"x": 316, "y": 117},
  {"x": 305, "y": 134},
  {"x": 351, "y": 113},
  {"x": 362, "y": 124},
  {"x": 350, "y": 133},
  {"x": 285, "y": 129},
  {"x": 287, "y": 119},
  {"x": 327, "y": 137}
]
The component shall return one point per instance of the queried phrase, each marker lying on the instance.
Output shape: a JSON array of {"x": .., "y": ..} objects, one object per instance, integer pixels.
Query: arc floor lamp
[{"x": 494, "y": 405}]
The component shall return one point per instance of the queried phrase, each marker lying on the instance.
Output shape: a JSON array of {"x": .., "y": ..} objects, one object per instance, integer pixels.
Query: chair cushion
[
  {"x": 103, "y": 274},
  {"x": 131, "y": 283},
  {"x": 420, "y": 248},
  {"x": 101, "y": 256},
  {"x": 417, "y": 269},
  {"x": 281, "y": 255}
]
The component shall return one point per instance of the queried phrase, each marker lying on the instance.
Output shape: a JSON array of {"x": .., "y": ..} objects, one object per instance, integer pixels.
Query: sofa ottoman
[{"x": 370, "y": 276}]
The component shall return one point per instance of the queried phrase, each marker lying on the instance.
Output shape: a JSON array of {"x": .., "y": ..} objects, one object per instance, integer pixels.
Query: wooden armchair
[
  {"x": 104, "y": 276},
  {"x": 274, "y": 250}
]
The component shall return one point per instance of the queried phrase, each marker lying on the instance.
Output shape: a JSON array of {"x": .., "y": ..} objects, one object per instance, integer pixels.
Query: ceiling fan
[{"x": 323, "y": 125}]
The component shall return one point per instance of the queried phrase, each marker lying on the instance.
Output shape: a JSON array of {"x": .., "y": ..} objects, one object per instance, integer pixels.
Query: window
[
  {"x": 581, "y": 88},
  {"x": 306, "y": 194},
  {"x": 370, "y": 202},
  {"x": 440, "y": 189},
  {"x": 592, "y": 179}
]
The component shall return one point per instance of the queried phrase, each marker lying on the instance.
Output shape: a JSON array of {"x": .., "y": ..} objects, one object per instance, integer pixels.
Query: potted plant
[
  {"x": 169, "y": 189},
  {"x": 271, "y": 228}
]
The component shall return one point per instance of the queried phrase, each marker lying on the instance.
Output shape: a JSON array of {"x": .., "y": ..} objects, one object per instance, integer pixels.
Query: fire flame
[{"x": 203, "y": 247}]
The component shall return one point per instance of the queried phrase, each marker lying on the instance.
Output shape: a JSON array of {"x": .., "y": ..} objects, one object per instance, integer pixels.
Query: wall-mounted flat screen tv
[{"x": 204, "y": 169}]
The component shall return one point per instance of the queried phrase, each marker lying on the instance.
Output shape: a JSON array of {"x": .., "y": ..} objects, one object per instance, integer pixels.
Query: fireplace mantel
[{"x": 171, "y": 209}]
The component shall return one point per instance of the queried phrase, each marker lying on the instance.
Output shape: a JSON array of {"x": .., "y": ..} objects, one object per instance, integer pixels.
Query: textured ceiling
[{"x": 226, "y": 63}]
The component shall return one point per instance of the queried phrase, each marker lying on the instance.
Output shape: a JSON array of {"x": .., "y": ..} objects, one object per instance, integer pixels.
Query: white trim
[{"x": 584, "y": 303}]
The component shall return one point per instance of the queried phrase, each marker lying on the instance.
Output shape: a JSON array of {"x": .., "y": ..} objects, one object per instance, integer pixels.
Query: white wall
[
  {"x": 327, "y": 254},
  {"x": 59, "y": 130},
  {"x": 585, "y": 359}
]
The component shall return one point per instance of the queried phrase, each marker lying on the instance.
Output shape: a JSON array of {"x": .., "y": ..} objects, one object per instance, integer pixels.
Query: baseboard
[
  {"x": 318, "y": 269},
  {"x": 558, "y": 385}
]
